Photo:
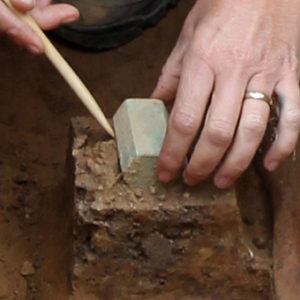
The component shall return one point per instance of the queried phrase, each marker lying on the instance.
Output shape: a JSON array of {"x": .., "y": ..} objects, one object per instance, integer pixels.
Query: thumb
[{"x": 23, "y": 5}]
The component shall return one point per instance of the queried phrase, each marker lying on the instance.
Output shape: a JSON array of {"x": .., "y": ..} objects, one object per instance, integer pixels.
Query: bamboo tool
[{"x": 66, "y": 71}]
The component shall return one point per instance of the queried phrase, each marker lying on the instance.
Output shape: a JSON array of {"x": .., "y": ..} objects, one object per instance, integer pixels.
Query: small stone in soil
[
  {"x": 161, "y": 197},
  {"x": 80, "y": 141},
  {"x": 186, "y": 195},
  {"x": 27, "y": 269},
  {"x": 152, "y": 190},
  {"x": 138, "y": 193}
]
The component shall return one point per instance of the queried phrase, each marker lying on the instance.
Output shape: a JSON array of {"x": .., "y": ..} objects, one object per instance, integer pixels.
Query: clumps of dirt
[{"x": 155, "y": 242}]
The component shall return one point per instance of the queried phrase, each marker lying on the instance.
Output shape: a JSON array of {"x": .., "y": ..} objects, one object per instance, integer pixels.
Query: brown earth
[
  {"x": 35, "y": 111},
  {"x": 135, "y": 240}
]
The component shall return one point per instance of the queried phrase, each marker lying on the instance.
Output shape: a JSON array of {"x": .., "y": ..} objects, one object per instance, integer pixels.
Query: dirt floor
[{"x": 35, "y": 111}]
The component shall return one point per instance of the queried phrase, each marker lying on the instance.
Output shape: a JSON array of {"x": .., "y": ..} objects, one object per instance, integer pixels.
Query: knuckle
[
  {"x": 220, "y": 132},
  {"x": 292, "y": 118},
  {"x": 184, "y": 123},
  {"x": 254, "y": 124},
  {"x": 199, "y": 48},
  {"x": 291, "y": 62}
]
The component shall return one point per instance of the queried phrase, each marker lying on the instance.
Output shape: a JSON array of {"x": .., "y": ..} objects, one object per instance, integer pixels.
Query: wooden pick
[{"x": 66, "y": 71}]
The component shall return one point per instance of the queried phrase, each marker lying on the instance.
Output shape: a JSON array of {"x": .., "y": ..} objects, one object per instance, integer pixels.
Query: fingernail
[
  {"x": 272, "y": 166},
  {"x": 164, "y": 176},
  {"x": 71, "y": 18},
  {"x": 34, "y": 49},
  {"x": 222, "y": 182}
]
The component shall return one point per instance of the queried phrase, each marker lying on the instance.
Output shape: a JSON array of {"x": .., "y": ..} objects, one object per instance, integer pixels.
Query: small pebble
[
  {"x": 186, "y": 195},
  {"x": 152, "y": 190},
  {"x": 138, "y": 193},
  {"x": 80, "y": 141},
  {"x": 27, "y": 269},
  {"x": 132, "y": 172},
  {"x": 100, "y": 187},
  {"x": 161, "y": 197},
  {"x": 260, "y": 243},
  {"x": 99, "y": 161},
  {"x": 91, "y": 257},
  {"x": 186, "y": 233}
]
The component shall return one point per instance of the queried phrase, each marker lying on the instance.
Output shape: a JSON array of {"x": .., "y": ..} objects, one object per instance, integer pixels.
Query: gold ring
[{"x": 259, "y": 96}]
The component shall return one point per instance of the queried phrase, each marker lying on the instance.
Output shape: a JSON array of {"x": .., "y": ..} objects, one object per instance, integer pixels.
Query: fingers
[
  {"x": 185, "y": 119},
  {"x": 47, "y": 17},
  {"x": 18, "y": 31},
  {"x": 288, "y": 94},
  {"x": 52, "y": 16},
  {"x": 250, "y": 132},
  {"x": 219, "y": 128}
]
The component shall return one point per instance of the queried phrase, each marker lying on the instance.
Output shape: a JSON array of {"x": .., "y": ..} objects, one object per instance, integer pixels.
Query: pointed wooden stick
[{"x": 66, "y": 71}]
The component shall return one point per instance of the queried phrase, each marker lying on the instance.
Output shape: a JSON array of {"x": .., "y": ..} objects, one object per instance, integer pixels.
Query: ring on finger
[{"x": 259, "y": 96}]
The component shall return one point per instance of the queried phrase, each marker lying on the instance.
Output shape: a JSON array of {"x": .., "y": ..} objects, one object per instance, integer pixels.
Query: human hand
[
  {"x": 47, "y": 15},
  {"x": 228, "y": 48}
]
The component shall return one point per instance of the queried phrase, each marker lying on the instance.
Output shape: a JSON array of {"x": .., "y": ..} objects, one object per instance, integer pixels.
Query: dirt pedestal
[{"x": 161, "y": 242}]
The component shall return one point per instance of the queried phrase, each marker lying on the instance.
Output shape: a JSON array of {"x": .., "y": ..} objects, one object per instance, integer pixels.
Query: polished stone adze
[{"x": 140, "y": 126}]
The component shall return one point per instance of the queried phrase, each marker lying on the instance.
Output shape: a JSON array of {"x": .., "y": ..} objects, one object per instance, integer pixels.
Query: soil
[
  {"x": 137, "y": 241},
  {"x": 35, "y": 110}
]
